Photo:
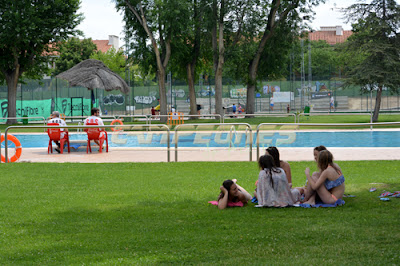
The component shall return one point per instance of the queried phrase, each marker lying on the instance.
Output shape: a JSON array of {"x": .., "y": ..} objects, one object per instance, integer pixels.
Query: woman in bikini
[
  {"x": 273, "y": 151},
  {"x": 307, "y": 191},
  {"x": 329, "y": 182},
  {"x": 317, "y": 150},
  {"x": 232, "y": 193}
]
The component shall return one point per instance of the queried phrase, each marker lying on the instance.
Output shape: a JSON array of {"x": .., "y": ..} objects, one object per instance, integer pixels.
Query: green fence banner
[
  {"x": 28, "y": 108},
  {"x": 74, "y": 106}
]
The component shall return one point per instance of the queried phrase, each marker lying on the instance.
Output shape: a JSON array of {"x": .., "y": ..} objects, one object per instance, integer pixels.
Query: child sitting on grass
[
  {"x": 307, "y": 191},
  {"x": 273, "y": 189},
  {"x": 328, "y": 183}
]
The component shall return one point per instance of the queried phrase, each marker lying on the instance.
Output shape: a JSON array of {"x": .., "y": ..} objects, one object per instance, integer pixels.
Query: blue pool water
[{"x": 204, "y": 139}]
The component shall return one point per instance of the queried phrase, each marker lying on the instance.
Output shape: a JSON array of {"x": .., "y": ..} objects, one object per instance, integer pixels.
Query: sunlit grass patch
[{"x": 156, "y": 213}]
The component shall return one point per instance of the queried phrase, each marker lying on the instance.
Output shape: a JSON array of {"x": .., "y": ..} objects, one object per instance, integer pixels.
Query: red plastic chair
[
  {"x": 55, "y": 135},
  {"x": 96, "y": 134}
]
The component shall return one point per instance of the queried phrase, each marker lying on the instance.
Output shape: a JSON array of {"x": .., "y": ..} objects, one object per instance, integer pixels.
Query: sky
[{"x": 102, "y": 19}]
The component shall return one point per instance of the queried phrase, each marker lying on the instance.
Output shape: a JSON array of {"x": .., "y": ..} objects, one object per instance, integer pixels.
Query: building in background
[
  {"x": 331, "y": 34},
  {"x": 105, "y": 45}
]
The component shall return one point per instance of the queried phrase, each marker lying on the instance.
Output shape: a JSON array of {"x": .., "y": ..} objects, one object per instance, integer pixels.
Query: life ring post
[
  {"x": 116, "y": 128},
  {"x": 18, "y": 149}
]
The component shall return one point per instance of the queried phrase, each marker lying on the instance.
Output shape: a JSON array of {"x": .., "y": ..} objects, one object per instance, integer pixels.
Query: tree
[
  {"x": 156, "y": 23},
  {"x": 284, "y": 17},
  {"x": 228, "y": 18},
  {"x": 113, "y": 59},
  {"x": 72, "y": 52},
  {"x": 27, "y": 28},
  {"x": 185, "y": 59},
  {"x": 376, "y": 40},
  {"x": 218, "y": 12},
  {"x": 325, "y": 58},
  {"x": 258, "y": 38}
]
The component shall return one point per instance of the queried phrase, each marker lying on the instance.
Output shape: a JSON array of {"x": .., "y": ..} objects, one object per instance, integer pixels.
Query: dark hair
[
  {"x": 273, "y": 151},
  {"x": 227, "y": 185},
  {"x": 320, "y": 148},
  {"x": 94, "y": 111},
  {"x": 267, "y": 163},
  {"x": 325, "y": 159}
]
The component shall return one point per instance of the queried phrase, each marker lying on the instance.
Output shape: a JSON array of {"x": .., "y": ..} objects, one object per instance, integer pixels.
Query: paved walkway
[{"x": 199, "y": 154}]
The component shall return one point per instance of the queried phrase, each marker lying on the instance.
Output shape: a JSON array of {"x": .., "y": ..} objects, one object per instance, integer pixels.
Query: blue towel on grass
[{"x": 339, "y": 202}]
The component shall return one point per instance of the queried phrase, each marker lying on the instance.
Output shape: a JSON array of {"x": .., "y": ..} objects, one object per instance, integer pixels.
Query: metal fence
[
  {"x": 83, "y": 127},
  {"x": 320, "y": 125},
  {"x": 248, "y": 130},
  {"x": 39, "y": 98}
]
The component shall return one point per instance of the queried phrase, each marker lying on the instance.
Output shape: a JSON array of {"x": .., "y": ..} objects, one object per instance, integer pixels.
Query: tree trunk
[
  {"x": 377, "y": 104},
  {"x": 12, "y": 81},
  {"x": 218, "y": 71},
  {"x": 163, "y": 93},
  {"x": 250, "y": 101},
  {"x": 191, "y": 67},
  {"x": 268, "y": 33},
  {"x": 214, "y": 35},
  {"x": 253, "y": 67},
  {"x": 218, "y": 53},
  {"x": 218, "y": 87},
  {"x": 161, "y": 64},
  {"x": 192, "y": 92}
]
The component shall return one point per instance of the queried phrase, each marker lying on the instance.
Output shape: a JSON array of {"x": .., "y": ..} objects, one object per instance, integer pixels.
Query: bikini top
[{"x": 332, "y": 184}]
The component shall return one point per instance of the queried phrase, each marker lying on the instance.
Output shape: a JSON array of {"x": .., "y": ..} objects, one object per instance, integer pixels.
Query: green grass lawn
[{"x": 157, "y": 213}]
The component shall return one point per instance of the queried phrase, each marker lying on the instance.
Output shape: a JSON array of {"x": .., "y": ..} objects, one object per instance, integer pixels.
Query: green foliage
[
  {"x": 164, "y": 19},
  {"x": 113, "y": 59},
  {"x": 193, "y": 43},
  {"x": 324, "y": 58},
  {"x": 257, "y": 22},
  {"x": 157, "y": 213},
  {"x": 275, "y": 57},
  {"x": 27, "y": 28},
  {"x": 376, "y": 41},
  {"x": 72, "y": 52}
]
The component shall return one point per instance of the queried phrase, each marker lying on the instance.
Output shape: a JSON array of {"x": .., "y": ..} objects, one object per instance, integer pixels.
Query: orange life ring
[
  {"x": 18, "y": 148},
  {"x": 116, "y": 128}
]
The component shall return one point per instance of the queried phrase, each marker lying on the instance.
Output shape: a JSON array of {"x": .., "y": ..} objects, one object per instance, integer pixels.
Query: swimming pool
[{"x": 350, "y": 138}]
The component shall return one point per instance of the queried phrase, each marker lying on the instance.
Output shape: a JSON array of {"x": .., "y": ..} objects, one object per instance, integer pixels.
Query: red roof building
[
  {"x": 332, "y": 35},
  {"x": 105, "y": 45}
]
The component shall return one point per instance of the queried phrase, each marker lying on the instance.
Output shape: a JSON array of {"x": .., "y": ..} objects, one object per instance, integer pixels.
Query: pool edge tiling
[
  {"x": 119, "y": 155},
  {"x": 340, "y": 138}
]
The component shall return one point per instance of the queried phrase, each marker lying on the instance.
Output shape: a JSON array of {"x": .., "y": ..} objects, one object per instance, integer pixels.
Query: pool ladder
[{"x": 233, "y": 132}]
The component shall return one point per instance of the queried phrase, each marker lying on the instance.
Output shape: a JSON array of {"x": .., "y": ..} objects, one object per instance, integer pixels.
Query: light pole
[
  {"x": 302, "y": 75},
  {"x": 170, "y": 86},
  {"x": 309, "y": 69},
  {"x": 371, "y": 105}
]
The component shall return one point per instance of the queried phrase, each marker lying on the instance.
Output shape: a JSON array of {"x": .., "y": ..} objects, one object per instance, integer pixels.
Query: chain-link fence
[{"x": 40, "y": 98}]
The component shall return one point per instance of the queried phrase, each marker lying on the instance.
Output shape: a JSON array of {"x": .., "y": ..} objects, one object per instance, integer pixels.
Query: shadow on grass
[{"x": 197, "y": 232}]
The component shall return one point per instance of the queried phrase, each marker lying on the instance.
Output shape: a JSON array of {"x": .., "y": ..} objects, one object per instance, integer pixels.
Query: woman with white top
[{"x": 272, "y": 187}]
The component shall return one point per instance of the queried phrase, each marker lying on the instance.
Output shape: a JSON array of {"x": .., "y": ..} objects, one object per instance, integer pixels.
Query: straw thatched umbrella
[{"x": 93, "y": 74}]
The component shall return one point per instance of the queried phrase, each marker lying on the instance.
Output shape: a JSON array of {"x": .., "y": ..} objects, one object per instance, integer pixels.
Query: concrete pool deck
[{"x": 118, "y": 155}]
